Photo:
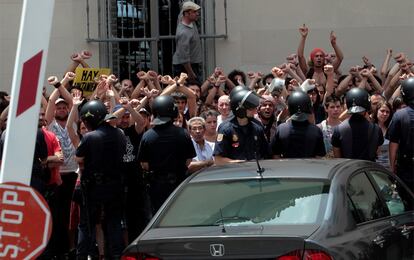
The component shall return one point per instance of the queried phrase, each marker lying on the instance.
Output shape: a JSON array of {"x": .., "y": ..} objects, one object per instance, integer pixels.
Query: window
[
  {"x": 365, "y": 204},
  {"x": 392, "y": 193},
  {"x": 248, "y": 202}
]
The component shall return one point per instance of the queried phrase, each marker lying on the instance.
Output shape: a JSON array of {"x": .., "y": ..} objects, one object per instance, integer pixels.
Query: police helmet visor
[
  {"x": 110, "y": 117},
  {"x": 301, "y": 117},
  {"x": 356, "y": 109},
  {"x": 161, "y": 120},
  {"x": 251, "y": 101}
]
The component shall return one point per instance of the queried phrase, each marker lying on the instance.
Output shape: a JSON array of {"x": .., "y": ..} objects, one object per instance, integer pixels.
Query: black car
[{"x": 283, "y": 210}]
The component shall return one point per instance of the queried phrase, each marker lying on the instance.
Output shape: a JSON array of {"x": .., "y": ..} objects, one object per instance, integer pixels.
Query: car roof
[{"x": 287, "y": 168}]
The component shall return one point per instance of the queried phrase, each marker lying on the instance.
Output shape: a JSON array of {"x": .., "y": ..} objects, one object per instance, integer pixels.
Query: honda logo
[{"x": 217, "y": 250}]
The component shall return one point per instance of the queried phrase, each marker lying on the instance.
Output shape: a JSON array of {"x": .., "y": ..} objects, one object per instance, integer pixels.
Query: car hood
[{"x": 247, "y": 242}]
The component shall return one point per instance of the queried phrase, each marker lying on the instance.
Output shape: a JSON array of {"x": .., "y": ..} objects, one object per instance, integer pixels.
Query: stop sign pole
[
  {"x": 25, "y": 221},
  {"x": 28, "y": 77}
]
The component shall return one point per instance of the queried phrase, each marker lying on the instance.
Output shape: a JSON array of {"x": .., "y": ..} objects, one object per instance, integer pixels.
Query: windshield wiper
[{"x": 232, "y": 219}]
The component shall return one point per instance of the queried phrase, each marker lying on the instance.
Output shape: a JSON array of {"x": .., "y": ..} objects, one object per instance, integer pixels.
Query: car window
[
  {"x": 365, "y": 204},
  {"x": 248, "y": 202},
  {"x": 395, "y": 195}
]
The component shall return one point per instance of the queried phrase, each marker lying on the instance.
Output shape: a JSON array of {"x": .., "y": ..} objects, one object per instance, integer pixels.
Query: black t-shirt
[
  {"x": 130, "y": 166},
  {"x": 295, "y": 139},
  {"x": 103, "y": 151},
  {"x": 241, "y": 142},
  {"x": 166, "y": 148}
]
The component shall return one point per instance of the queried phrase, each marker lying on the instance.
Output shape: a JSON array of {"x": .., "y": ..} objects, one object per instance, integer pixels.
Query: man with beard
[
  {"x": 265, "y": 114},
  {"x": 57, "y": 113},
  {"x": 133, "y": 124},
  {"x": 317, "y": 57},
  {"x": 46, "y": 178},
  {"x": 241, "y": 138}
]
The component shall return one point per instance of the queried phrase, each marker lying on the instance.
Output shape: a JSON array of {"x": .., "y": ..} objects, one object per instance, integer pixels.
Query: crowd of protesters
[{"x": 202, "y": 110}]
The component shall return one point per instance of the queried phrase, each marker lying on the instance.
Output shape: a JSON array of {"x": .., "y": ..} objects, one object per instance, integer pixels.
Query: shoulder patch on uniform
[
  {"x": 220, "y": 137},
  {"x": 235, "y": 138}
]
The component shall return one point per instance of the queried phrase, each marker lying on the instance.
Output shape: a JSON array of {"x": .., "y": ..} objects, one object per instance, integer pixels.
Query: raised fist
[
  {"x": 52, "y": 80},
  {"x": 86, "y": 54},
  {"x": 303, "y": 31},
  {"x": 70, "y": 75},
  {"x": 76, "y": 57},
  {"x": 142, "y": 75},
  {"x": 112, "y": 79}
]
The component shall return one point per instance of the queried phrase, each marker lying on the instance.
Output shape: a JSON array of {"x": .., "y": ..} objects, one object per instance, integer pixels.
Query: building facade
[{"x": 132, "y": 35}]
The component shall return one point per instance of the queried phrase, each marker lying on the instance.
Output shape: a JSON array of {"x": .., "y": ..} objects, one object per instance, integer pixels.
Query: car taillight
[
  {"x": 307, "y": 255},
  {"x": 139, "y": 256},
  {"x": 316, "y": 255},
  {"x": 294, "y": 255}
]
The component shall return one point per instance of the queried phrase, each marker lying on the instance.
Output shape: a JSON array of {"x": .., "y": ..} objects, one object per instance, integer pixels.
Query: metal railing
[{"x": 139, "y": 34}]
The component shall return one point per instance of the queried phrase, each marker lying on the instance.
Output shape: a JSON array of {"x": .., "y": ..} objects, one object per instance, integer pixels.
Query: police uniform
[
  {"x": 357, "y": 138},
  {"x": 295, "y": 139},
  {"x": 298, "y": 138},
  {"x": 241, "y": 142},
  {"x": 101, "y": 151},
  {"x": 166, "y": 148},
  {"x": 401, "y": 131}
]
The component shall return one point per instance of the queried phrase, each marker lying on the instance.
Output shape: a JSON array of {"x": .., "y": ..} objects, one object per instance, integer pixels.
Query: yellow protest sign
[{"x": 85, "y": 78}]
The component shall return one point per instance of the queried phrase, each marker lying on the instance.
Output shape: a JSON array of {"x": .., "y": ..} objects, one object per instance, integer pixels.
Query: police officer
[
  {"x": 100, "y": 155},
  {"x": 298, "y": 138},
  {"x": 165, "y": 151},
  {"x": 356, "y": 137},
  {"x": 401, "y": 135},
  {"x": 241, "y": 138}
]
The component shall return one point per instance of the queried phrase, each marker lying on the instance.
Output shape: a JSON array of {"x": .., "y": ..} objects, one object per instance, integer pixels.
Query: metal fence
[{"x": 138, "y": 35}]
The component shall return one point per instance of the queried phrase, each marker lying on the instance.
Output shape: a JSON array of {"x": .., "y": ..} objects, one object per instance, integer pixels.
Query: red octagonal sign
[{"x": 25, "y": 222}]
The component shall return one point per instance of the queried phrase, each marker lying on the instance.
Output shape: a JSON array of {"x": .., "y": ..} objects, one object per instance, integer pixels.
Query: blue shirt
[{"x": 203, "y": 154}]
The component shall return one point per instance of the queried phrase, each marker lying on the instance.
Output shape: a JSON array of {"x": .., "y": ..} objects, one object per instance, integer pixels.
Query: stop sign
[{"x": 25, "y": 222}]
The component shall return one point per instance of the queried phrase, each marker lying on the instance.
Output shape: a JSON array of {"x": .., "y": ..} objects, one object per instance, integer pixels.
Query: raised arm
[
  {"x": 137, "y": 119},
  {"x": 153, "y": 79},
  {"x": 301, "y": 57},
  {"x": 85, "y": 55},
  {"x": 339, "y": 55},
  {"x": 384, "y": 67},
  {"x": 137, "y": 90},
  {"x": 73, "y": 118},
  {"x": 329, "y": 71}
]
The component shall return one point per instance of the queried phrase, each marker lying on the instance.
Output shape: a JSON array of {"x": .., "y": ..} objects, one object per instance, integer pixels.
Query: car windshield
[{"x": 247, "y": 202}]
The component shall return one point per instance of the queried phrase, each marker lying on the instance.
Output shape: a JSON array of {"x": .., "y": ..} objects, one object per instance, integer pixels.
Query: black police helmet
[
  {"x": 243, "y": 100},
  {"x": 237, "y": 89},
  {"x": 357, "y": 100},
  {"x": 164, "y": 110},
  {"x": 93, "y": 113},
  {"x": 407, "y": 91},
  {"x": 299, "y": 106}
]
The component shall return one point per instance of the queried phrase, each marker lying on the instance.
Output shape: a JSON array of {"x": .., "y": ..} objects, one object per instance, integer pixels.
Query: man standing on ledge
[{"x": 188, "y": 57}]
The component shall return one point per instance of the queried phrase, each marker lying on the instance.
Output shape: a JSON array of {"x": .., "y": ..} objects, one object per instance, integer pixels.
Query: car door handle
[
  {"x": 406, "y": 230},
  {"x": 379, "y": 240}
]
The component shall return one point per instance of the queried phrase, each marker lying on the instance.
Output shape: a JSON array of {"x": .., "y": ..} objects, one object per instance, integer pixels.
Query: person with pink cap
[{"x": 317, "y": 57}]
